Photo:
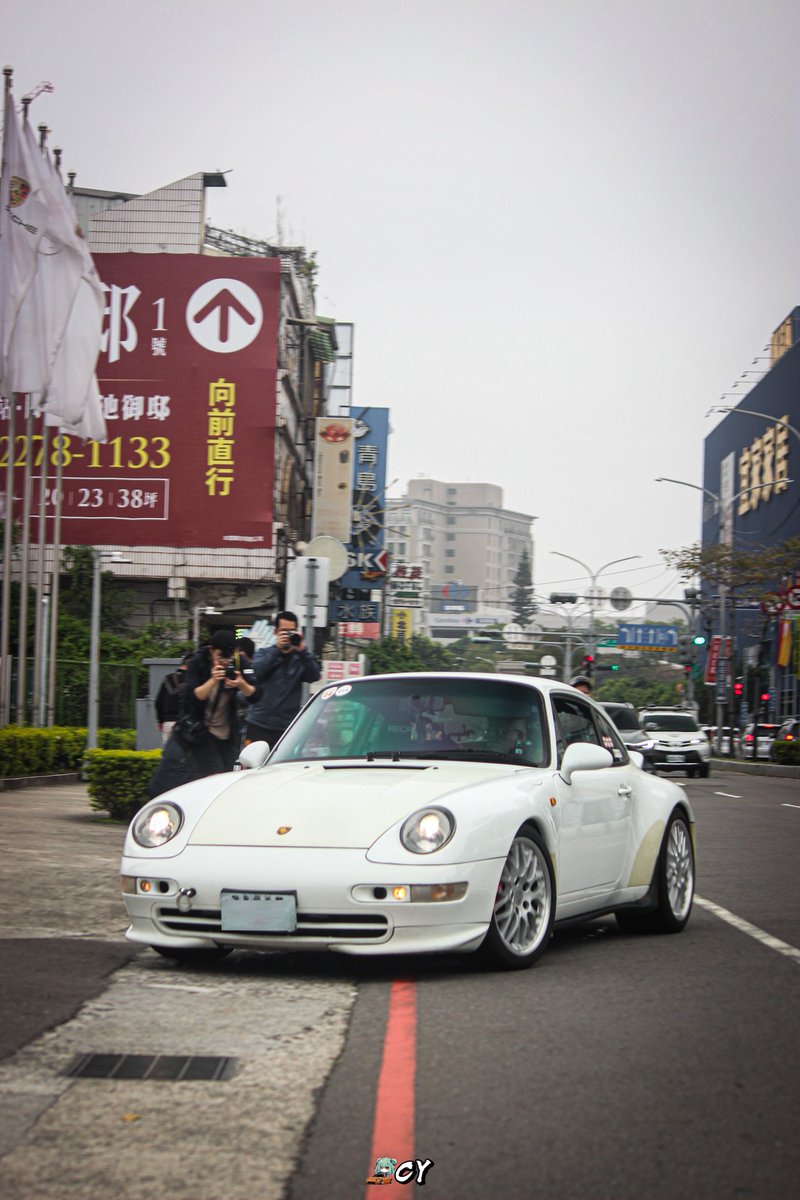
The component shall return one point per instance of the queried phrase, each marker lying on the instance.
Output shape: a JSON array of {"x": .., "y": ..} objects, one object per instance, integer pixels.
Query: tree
[
  {"x": 391, "y": 655},
  {"x": 758, "y": 567},
  {"x": 522, "y": 602}
]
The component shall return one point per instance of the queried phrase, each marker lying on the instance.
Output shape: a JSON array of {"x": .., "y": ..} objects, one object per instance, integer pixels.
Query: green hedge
[
  {"x": 787, "y": 753},
  {"x": 28, "y": 751},
  {"x": 118, "y": 780}
]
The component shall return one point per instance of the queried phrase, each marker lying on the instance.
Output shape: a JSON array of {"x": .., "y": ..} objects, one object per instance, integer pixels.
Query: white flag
[
  {"x": 92, "y": 423},
  {"x": 72, "y": 379},
  {"x": 23, "y": 218}
]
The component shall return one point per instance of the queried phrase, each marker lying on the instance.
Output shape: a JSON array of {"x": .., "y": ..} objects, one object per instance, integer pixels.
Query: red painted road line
[{"x": 393, "y": 1126}]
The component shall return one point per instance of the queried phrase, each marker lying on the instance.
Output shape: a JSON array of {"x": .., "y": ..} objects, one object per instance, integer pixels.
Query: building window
[
  {"x": 450, "y": 537},
  {"x": 450, "y": 520},
  {"x": 449, "y": 570},
  {"x": 449, "y": 553}
]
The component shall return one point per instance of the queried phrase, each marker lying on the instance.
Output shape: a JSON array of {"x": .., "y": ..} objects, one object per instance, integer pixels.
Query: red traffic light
[
  {"x": 764, "y": 697},
  {"x": 738, "y": 689},
  {"x": 589, "y": 658}
]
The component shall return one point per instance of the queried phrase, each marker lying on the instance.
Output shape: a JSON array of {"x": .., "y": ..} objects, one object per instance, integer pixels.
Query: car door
[{"x": 595, "y": 807}]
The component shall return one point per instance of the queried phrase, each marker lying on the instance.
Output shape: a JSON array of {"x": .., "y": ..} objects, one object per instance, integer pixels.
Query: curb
[
  {"x": 755, "y": 768},
  {"x": 27, "y": 781}
]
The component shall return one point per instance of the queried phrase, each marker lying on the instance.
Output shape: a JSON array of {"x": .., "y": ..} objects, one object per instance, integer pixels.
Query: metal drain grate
[{"x": 151, "y": 1066}]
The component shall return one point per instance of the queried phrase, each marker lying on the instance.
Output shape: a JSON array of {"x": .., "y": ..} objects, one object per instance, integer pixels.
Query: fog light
[
  {"x": 432, "y": 893},
  {"x": 399, "y": 893},
  {"x": 145, "y": 885}
]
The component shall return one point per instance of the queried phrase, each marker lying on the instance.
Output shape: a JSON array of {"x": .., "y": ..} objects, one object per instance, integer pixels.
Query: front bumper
[
  {"x": 329, "y": 915},
  {"x": 680, "y": 758}
]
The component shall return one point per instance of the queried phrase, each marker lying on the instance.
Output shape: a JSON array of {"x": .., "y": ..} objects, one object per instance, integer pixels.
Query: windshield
[
  {"x": 623, "y": 718},
  {"x": 673, "y": 722},
  {"x": 404, "y": 717}
]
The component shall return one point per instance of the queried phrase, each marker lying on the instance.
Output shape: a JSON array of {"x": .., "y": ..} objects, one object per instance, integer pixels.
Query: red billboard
[{"x": 187, "y": 376}]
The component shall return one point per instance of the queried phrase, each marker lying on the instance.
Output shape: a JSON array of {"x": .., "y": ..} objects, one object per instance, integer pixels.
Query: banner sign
[
  {"x": 366, "y": 545},
  {"x": 333, "y": 478},
  {"x": 187, "y": 376}
]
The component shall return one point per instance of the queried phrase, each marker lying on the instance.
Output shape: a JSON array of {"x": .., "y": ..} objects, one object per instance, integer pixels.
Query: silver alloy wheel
[
  {"x": 524, "y": 898},
  {"x": 679, "y": 870}
]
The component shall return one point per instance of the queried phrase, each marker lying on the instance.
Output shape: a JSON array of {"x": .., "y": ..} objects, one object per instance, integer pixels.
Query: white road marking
[
  {"x": 728, "y": 795},
  {"x": 752, "y": 931},
  {"x": 790, "y": 806}
]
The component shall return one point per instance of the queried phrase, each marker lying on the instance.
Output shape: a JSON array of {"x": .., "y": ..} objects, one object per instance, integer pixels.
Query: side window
[
  {"x": 573, "y": 723},
  {"x": 610, "y": 739}
]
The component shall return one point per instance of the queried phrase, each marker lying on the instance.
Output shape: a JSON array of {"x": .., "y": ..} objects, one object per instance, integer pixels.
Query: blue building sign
[
  {"x": 663, "y": 638},
  {"x": 366, "y": 548}
]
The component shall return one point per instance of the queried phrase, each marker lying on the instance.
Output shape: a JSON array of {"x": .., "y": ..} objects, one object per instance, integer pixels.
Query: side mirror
[
  {"x": 253, "y": 756},
  {"x": 583, "y": 756}
]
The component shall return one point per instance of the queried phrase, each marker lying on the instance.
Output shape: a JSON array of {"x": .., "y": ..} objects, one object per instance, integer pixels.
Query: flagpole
[
  {"x": 40, "y": 631},
  {"x": 54, "y": 588},
  {"x": 5, "y": 608},
  {"x": 25, "y": 547}
]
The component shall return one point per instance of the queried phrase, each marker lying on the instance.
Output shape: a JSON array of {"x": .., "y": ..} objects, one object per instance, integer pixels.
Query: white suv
[{"x": 679, "y": 742}]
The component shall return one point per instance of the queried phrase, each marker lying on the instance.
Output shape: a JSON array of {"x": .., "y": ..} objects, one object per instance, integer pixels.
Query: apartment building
[{"x": 460, "y": 533}]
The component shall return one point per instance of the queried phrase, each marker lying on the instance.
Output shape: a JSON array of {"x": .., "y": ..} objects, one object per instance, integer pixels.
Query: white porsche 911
[{"x": 413, "y": 813}]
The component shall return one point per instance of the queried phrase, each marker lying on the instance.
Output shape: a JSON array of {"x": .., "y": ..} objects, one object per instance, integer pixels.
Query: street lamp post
[
  {"x": 94, "y": 642},
  {"x": 207, "y": 610},
  {"x": 594, "y": 575},
  {"x": 748, "y": 412}
]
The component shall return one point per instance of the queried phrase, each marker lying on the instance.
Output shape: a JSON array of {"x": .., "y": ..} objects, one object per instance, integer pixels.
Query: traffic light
[
  {"x": 738, "y": 688},
  {"x": 588, "y": 664},
  {"x": 687, "y": 669},
  {"x": 764, "y": 697},
  {"x": 614, "y": 666},
  {"x": 699, "y": 639},
  {"x": 563, "y": 598}
]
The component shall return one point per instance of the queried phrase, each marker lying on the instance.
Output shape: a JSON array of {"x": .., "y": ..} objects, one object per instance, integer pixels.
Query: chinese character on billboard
[
  {"x": 366, "y": 547},
  {"x": 187, "y": 375}
]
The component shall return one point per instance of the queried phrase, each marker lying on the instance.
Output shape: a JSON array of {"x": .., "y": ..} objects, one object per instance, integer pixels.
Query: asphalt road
[{"x": 621, "y": 1066}]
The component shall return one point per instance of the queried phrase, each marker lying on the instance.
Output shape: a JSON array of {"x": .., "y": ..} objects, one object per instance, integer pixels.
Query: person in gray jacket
[{"x": 280, "y": 671}]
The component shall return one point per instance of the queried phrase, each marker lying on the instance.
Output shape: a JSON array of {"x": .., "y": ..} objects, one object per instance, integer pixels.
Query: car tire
[
  {"x": 691, "y": 773},
  {"x": 193, "y": 954},
  {"x": 674, "y": 881},
  {"x": 524, "y": 907},
  {"x": 704, "y": 771}
]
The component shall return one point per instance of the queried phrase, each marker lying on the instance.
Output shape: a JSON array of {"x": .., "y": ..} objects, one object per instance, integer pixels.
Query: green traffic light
[
  {"x": 615, "y": 666},
  {"x": 699, "y": 640}
]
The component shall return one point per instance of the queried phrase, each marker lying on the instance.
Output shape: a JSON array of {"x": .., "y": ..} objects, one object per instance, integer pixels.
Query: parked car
[
  {"x": 630, "y": 730},
  {"x": 788, "y": 732},
  {"x": 731, "y": 738},
  {"x": 757, "y": 740},
  {"x": 680, "y": 743},
  {"x": 424, "y": 812}
]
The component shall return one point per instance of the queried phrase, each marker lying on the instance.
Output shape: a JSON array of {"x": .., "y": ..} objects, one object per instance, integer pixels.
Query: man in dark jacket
[
  {"x": 280, "y": 670},
  {"x": 168, "y": 699}
]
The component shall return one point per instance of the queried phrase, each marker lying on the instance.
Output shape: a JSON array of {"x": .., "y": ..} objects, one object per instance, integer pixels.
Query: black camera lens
[
  {"x": 230, "y": 671},
  {"x": 295, "y": 639}
]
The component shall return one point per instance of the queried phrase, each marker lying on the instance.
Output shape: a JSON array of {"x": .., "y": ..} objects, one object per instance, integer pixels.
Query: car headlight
[
  {"x": 157, "y": 824},
  {"x": 428, "y": 830}
]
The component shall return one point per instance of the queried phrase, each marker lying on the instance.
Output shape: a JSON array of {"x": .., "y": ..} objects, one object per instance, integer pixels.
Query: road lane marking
[
  {"x": 393, "y": 1125},
  {"x": 752, "y": 931},
  {"x": 728, "y": 795},
  {"x": 786, "y": 805}
]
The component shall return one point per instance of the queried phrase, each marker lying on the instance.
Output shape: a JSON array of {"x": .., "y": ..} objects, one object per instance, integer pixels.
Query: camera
[
  {"x": 295, "y": 639},
  {"x": 231, "y": 671}
]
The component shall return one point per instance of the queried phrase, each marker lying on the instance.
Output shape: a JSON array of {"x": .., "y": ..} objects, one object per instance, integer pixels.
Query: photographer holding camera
[
  {"x": 215, "y": 678},
  {"x": 280, "y": 670}
]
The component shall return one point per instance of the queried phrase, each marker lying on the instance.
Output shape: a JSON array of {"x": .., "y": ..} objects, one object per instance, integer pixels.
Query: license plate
[
  {"x": 675, "y": 758},
  {"x": 258, "y": 912}
]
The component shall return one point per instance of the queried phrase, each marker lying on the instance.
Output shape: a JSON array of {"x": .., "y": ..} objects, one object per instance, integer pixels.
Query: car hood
[{"x": 336, "y": 806}]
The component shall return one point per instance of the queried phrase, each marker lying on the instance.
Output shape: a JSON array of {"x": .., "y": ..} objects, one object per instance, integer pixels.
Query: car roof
[{"x": 534, "y": 682}]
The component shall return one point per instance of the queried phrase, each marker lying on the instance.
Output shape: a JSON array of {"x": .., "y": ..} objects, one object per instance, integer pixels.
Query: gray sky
[{"x": 563, "y": 228}]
